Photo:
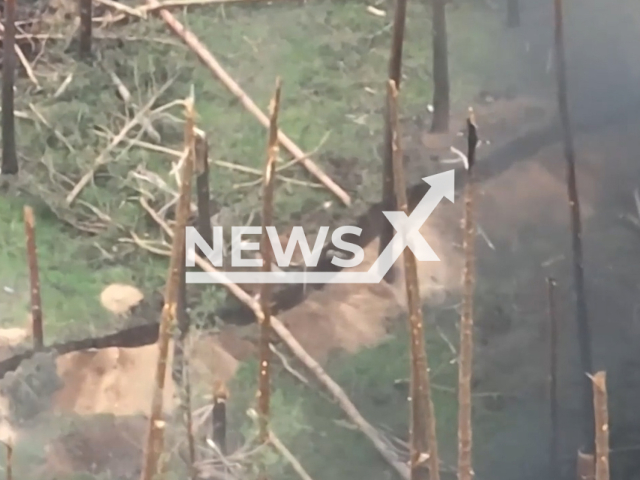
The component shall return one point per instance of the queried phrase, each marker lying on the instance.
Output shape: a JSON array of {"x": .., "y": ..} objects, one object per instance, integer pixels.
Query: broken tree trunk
[
  {"x": 602, "y": 425},
  {"x": 219, "y": 416},
  {"x": 202, "y": 188},
  {"x": 264, "y": 385},
  {"x": 395, "y": 74},
  {"x": 441, "y": 102},
  {"x": 9, "y": 153},
  {"x": 34, "y": 279},
  {"x": 385, "y": 450},
  {"x": 424, "y": 460},
  {"x": 584, "y": 334},
  {"x": 212, "y": 64},
  {"x": 465, "y": 366},
  {"x": 84, "y": 43},
  {"x": 155, "y": 436},
  {"x": 554, "y": 469}
]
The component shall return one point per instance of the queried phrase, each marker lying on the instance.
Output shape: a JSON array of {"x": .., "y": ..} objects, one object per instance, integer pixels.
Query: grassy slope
[
  {"x": 332, "y": 57},
  {"x": 327, "y": 444}
]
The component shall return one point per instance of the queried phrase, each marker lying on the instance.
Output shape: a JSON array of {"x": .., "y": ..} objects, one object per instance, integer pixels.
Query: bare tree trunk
[
  {"x": 584, "y": 334},
  {"x": 155, "y": 436},
  {"x": 602, "y": 425},
  {"x": 34, "y": 279},
  {"x": 395, "y": 74},
  {"x": 465, "y": 367},
  {"x": 423, "y": 441},
  {"x": 513, "y": 13},
  {"x": 84, "y": 43},
  {"x": 9, "y": 154},
  {"x": 554, "y": 469},
  {"x": 219, "y": 417},
  {"x": 441, "y": 100},
  {"x": 264, "y": 386}
]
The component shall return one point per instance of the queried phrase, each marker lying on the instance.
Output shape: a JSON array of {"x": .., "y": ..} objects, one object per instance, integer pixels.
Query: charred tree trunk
[
  {"x": 219, "y": 417},
  {"x": 554, "y": 469},
  {"x": 584, "y": 334},
  {"x": 9, "y": 154},
  {"x": 513, "y": 13},
  {"x": 441, "y": 100},
  {"x": 86, "y": 33},
  {"x": 395, "y": 74}
]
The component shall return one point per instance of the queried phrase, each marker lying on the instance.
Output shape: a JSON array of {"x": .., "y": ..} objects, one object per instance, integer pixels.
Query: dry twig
[
  {"x": 424, "y": 444},
  {"x": 102, "y": 158},
  {"x": 208, "y": 59}
]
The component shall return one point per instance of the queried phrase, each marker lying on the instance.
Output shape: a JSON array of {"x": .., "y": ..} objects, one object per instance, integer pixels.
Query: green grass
[
  {"x": 321, "y": 437},
  {"x": 332, "y": 57}
]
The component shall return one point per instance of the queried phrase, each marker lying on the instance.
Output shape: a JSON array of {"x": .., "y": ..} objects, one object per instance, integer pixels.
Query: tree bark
[
  {"x": 424, "y": 459},
  {"x": 465, "y": 367},
  {"x": 441, "y": 102},
  {"x": 584, "y": 333},
  {"x": 395, "y": 74},
  {"x": 9, "y": 154}
]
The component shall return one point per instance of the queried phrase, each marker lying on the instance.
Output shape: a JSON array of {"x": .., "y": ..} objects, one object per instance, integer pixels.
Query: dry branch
[
  {"x": 465, "y": 366},
  {"x": 9, "y": 154},
  {"x": 584, "y": 334},
  {"x": 553, "y": 381},
  {"x": 155, "y": 439},
  {"x": 209, "y": 60},
  {"x": 424, "y": 444},
  {"x": 285, "y": 335},
  {"x": 34, "y": 279},
  {"x": 264, "y": 386},
  {"x": 602, "y": 425},
  {"x": 122, "y": 135}
]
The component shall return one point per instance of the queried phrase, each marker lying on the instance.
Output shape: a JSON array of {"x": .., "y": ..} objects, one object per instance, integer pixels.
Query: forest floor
[{"x": 332, "y": 58}]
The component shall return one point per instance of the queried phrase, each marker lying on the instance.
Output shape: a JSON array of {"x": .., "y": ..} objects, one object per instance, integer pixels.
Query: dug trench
[{"x": 523, "y": 214}]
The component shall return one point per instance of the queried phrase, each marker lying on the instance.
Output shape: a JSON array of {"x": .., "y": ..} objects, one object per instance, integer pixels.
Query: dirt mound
[
  {"x": 120, "y": 381},
  {"x": 119, "y": 298}
]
